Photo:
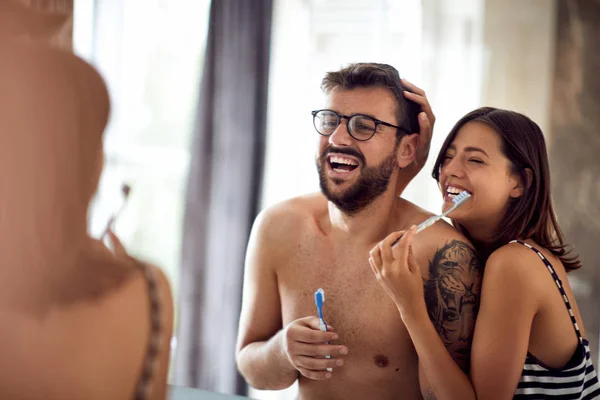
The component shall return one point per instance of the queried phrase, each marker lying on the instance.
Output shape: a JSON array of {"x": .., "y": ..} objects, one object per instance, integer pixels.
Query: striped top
[
  {"x": 144, "y": 383},
  {"x": 576, "y": 380}
]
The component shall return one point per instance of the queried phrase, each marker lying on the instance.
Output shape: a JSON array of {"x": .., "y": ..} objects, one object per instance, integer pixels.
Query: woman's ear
[
  {"x": 520, "y": 186},
  {"x": 407, "y": 150}
]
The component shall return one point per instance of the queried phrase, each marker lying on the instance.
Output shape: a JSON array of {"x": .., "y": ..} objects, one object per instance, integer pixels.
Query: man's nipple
[{"x": 381, "y": 361}]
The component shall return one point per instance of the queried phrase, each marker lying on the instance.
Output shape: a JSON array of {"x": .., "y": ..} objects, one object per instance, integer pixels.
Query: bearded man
[{"x": 368, "y": 152}]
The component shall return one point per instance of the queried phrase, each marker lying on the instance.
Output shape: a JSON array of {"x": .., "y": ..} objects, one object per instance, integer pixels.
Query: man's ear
[
  {"x": 520, "y": 186},
  {"x": 407, "y": 149}
]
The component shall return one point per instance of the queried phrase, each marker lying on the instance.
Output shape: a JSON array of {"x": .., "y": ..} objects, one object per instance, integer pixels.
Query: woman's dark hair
[{"x": 530, "y": 216}]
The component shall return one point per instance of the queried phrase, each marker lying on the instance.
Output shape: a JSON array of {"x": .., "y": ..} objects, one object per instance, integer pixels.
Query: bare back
[
  {"x": 75, "y": 318},
  {"x": 91, "y": 342}
]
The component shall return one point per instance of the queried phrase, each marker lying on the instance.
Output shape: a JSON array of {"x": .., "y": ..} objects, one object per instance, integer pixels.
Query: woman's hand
[
  {"x": 115, "y": 245},
  {"x": 426, "y": 123},
  {"x": 398, "y": 272}
]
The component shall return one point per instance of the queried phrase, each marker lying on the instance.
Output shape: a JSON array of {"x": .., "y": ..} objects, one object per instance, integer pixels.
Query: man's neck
[{"x": 369, "y": 225}]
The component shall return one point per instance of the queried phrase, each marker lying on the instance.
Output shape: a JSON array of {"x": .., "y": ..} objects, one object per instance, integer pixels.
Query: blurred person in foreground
[{"x": 77, "y": 320}]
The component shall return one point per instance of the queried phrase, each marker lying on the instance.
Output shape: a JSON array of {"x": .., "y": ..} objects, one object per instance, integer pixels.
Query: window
[
  {"x": 150, "y": 54},
  {"x": 310, "y": 38}
]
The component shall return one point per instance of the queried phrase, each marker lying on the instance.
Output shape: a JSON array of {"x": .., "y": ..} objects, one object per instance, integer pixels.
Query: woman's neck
[
  {"x": 482, "y": 238},
  {"x": 484, "y": 249}
]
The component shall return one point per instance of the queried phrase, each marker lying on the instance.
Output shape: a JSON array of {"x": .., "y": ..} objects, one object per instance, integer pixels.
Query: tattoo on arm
[{"x": 452, "y": 295}]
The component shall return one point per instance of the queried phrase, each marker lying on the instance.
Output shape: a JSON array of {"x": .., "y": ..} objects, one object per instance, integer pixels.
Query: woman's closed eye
[{"x": 476, "y": 160}]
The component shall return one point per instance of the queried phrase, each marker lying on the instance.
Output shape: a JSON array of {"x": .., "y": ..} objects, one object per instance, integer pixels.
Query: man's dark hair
[{"x": 364, "y": 75}]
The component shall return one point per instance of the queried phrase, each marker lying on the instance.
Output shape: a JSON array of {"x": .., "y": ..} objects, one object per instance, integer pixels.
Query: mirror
[{"x": 467, "y": 53}]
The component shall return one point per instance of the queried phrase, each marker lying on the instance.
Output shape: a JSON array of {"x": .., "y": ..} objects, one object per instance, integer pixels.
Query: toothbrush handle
[
  {"x": 323, "y": 325},
  {"x": 454, "y": 207},
  {"x": 323, "y": 328},
  {"x": 430, "y": 221},
  {"x": 425, "y": 224}
]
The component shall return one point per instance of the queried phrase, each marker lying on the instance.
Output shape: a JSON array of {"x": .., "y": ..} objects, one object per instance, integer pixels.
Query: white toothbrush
[{"x": 458, "y": 200}]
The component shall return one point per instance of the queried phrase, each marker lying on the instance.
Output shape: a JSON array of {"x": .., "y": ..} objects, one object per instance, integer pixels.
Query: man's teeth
[{"x": 342, "y": 160}]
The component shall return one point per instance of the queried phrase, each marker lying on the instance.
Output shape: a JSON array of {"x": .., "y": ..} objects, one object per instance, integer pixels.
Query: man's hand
[
  {"x": 306, "y": 348},
  {"x": 426, "y": 122}
]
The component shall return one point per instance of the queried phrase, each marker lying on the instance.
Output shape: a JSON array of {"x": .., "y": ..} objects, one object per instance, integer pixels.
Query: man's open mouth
[{"x": 342, "y": 164}]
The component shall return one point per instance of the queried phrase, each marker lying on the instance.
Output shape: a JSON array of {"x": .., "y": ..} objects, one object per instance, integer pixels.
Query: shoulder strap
[
  {"x": 145, "y": 380},
  {"x": 559, "y": 284}
]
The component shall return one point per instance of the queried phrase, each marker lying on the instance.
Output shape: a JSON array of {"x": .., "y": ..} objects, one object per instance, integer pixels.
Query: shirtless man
[{"x": 323, "y": 241}]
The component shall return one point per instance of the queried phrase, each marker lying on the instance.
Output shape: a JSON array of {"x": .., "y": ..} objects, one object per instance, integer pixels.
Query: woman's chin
[
  {"x": 457, "y": 216},
  {"x": 462, "y": 213}
]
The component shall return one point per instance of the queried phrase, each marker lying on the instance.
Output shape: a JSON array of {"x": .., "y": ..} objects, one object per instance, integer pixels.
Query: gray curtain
[{"x": 223, "y": 193}]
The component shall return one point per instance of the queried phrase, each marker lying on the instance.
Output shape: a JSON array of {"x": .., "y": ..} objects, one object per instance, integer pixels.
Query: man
[{"x": 366, "y": 156}]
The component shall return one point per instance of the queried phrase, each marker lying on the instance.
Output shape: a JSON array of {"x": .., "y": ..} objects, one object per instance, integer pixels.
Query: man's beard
[{"x": 370, "y": 184}]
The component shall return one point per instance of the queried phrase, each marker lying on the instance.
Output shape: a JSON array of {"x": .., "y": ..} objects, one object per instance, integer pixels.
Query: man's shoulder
[
  {"x": 412, "y": 213},
  {"x": 290, "y": 216},
  {"x": 445, "y": 248},
  {"x": 441, "y": 234},
  {"x": 438, "y": 236},
  {"x": 295, "y": 209}
]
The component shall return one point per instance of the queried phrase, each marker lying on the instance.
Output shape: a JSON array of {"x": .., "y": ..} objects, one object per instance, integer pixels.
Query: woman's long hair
[{"x": 530, "y": 216}]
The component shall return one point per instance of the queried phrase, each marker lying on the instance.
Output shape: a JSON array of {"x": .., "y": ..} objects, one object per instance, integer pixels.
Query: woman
[
  {"x": 529, "y": 337},
  {"x": 78, "y": 322}
]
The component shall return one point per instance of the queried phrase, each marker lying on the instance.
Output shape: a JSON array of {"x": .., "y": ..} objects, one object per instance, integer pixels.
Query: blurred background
[{"x": 211, "y": 123}]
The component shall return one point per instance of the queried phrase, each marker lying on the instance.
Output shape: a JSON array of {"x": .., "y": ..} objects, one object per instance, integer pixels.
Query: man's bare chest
[{"x": 356, "y": 305}]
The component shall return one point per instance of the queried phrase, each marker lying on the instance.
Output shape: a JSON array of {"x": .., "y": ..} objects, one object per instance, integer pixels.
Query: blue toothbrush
[{"x": 319, "y": 300}]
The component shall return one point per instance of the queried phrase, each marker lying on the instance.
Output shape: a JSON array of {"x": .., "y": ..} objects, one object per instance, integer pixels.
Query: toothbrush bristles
[
  {"x": 322, "y": 292},
  {"x": 461, "y": 196}
]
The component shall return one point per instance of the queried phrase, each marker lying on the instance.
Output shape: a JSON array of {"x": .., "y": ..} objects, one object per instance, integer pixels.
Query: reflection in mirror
[{"x": 150, "y": 56}]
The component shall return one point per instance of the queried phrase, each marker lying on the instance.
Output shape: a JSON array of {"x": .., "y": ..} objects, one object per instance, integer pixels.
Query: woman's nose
[{"x": 453, "y": 167}]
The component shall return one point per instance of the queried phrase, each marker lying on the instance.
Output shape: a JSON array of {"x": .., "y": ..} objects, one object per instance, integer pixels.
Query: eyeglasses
[{"x": 361, "y": 127}]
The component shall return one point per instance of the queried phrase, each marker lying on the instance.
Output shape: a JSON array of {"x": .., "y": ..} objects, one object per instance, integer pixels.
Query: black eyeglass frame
[{"x": 348, "y": 118}]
